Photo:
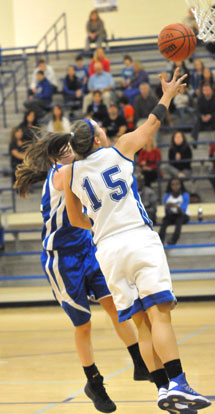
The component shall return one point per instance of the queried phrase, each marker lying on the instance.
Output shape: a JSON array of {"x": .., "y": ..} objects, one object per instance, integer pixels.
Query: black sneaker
[
  {"x": 142, "y": 375},
  {"x": 95, "y": 390}
]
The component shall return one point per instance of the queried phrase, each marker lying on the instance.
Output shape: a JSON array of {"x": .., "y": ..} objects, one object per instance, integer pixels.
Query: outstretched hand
[{"x": 173, "y": 87}]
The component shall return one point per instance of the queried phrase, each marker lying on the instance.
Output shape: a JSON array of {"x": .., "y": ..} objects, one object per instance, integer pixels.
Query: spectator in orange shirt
[
  {"x": 149, "y": 158},
  {"x": 99, "y": 56},
  {"x": 127, "y": 111}
]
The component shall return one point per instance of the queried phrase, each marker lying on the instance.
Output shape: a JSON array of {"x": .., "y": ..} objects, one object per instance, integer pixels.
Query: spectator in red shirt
[
  {"x": 99, "y": 56},
  {"x": 149, "y": 158},
  {"x": 212, "y": 171}
]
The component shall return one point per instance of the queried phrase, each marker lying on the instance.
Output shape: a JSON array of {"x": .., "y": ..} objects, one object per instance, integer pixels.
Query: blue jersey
[
  {"x": 107, "y": 187},
  {"x": 57, "y": 232}
]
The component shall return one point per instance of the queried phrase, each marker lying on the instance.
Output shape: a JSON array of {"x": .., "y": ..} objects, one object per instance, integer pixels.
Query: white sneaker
[{"x": 171, "y": 407}]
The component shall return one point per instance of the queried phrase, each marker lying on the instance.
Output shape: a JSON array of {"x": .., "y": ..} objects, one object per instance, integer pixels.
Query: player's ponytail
[
  {"x": 82, "y": 137},
  {"x": 39, "y": 157}
]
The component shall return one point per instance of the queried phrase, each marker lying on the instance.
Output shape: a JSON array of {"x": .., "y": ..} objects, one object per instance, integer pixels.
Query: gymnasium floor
[{"x": 40, "y": 371}]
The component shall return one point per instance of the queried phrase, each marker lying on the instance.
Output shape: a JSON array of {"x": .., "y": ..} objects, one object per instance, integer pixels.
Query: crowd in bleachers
[{"x": 91, "y": 91}]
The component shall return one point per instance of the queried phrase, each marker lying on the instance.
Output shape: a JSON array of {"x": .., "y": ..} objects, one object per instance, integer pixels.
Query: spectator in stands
[
  {"x": 148, "y": 198},
  {"x": 179, "y": 155},
  {"x": 183, "y": 104},
  {"x": 72, "y": 88},
  {"x": 16, "y": 150},
  {"x": 28, "y": 125},
  {"x": 143, "y": 103},
  {"x": 196, "y": 76},
  {"x": 97, "y": 110},
  {"x": 176, "y": 201},
  {"x": 99, "y": 56},
  {"x": 148, "y": 161},
  {"x": 58, "y": 122},
  {"x": 139, "y": 76},
  {"x": 96, "y": 32},
  {"x": 101, "y": 81},
  {"x": 212, "y": 171},
  {"x": 183, "y": 69},
  {"x": 40, "y": 102},
  {"x": 115, "y": 124},
  {"x": 2, "y": 230},
  {"x": 127, "y": 111},
  {"x": 127, "y": 71},
  {"x": 81, "y": 72},
  {"x": 205, "y": 112},
  {"x": 207, "y": 78},
  {"x": 48, "y": 73}
]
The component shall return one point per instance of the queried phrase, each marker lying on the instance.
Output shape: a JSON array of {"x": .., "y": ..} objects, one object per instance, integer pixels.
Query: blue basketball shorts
[{"x": 73, "y": 276}]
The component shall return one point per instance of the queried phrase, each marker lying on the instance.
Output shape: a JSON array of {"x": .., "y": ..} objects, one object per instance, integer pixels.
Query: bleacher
[{"x": 20, "y": 262}]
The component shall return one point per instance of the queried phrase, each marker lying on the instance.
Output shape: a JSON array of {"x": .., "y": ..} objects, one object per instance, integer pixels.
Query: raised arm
[
  {"x": 73, "y": 205},
  {"x": 132, "y": 142}
]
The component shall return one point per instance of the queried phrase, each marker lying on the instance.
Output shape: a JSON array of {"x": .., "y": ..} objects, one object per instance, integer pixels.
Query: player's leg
[
  {"x": 70, "y": 291},
  {"x": 127, "y": 334}
]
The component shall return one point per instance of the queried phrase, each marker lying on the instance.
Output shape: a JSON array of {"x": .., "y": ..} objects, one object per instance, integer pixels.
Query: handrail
[
  {"x": 57, "y": 32},
  {"x": 16, "y": 81}
]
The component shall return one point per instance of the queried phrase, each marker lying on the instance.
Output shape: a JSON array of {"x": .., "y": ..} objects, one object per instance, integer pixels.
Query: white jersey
[{"x": 106, "y": 186}]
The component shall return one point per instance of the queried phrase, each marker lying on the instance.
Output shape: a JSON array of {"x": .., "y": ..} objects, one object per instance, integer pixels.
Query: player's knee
[{"x": 84, "y": 329}]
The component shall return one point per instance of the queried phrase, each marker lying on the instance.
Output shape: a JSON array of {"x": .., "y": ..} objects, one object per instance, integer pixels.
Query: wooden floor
[{"x": 40, "y": 371}]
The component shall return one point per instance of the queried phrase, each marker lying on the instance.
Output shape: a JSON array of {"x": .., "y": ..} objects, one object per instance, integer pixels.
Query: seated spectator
[
  {"x": 96, "y": 32},
  {"x": 115, "y": 124},
  {"x": 143, "y": 103},
  {"x": 196, "y": 76},
  {"x": 97, "y": 110},
  {"x": 148, "y": 198},
  {"x": 183, "y": 69},
  {"x": 148, "y": 161},
  {"x": 72, "y": 88},
  {"x": 101, "y": 81},
  {"x": 176, "y": 201},
  {"x": 2, "y": 230},
  {"x": 178, "y": 156},
  {"x": 81, "y": 72},
  {"x": 28, "y": 124},
  {"x": 58, "y": 122},
  {"x": 127, "y": 71},
  {"x": 16, "y": 150},
  {"x": 183, "y": 104},
  {"x": 139, "y": 76},
  {"x": 127, "y": 111},
  {"x": 48, "y": 73},
  {"x": 207, "y": 78},
  {"x": 42, "y": 98},
  {"x": 205, "y": 112},
  {"x": 99, "y": 56},
  {"x": 212, "y": 171}
]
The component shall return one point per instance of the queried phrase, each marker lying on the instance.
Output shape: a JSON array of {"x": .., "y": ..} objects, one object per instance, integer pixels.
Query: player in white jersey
[
  {"x": 69, "y": 262},
  {"x": 130, "y": 253}
]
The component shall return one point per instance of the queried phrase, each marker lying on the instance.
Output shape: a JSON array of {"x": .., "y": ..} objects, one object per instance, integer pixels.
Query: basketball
[{"x": 176, "y": 42}]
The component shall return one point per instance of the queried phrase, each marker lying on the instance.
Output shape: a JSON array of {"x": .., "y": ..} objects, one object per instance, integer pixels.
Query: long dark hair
[
  {"x": 13, "y": 134},
  {"x": 184, "y": 143},
  {"x": 61, "y": 115},
  {"x": 25, "y": 122},
  {"x": 39, "y": 158},
  {"x": 169, "y": 189}
]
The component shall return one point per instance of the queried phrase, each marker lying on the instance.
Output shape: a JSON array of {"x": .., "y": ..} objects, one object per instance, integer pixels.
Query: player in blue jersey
[
  {"x": 130, "y": 253},
  {"x": 68, "y": 260}
]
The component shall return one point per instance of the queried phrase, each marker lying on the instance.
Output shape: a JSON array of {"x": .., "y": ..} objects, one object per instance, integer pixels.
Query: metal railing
[
  {"x": 16, "y": 76},
  {"x": 50, "y": 37}
]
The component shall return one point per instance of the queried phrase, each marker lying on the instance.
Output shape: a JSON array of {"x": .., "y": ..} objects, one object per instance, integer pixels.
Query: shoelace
[{"x": 102, "y": 392}]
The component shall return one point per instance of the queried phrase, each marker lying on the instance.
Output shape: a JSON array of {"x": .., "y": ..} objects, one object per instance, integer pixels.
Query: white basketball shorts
[{"x": 136, "y": 271}]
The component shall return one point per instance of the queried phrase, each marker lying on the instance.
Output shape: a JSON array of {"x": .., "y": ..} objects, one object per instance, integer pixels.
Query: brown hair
[
  {"x": 82, "y": 138},
  {"x": 39, "y": 158}
]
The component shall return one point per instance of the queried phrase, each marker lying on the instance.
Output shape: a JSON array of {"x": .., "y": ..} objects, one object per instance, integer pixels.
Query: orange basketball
[{"x": 176, "y": 42}]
